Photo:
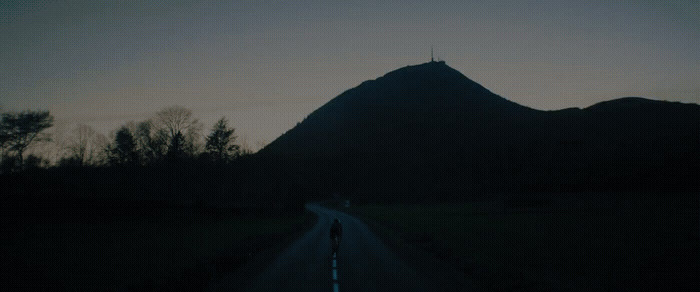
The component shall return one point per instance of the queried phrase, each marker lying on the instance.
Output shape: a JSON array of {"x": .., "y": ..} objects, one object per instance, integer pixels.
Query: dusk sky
[{"x": 265, "y": 65}]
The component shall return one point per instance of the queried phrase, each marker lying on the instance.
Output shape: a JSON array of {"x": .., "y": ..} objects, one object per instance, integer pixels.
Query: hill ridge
[{"x": 428, "y": 128}]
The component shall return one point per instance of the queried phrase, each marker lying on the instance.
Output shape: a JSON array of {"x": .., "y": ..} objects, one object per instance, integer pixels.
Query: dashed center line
[{"x": 335, "y": 274}]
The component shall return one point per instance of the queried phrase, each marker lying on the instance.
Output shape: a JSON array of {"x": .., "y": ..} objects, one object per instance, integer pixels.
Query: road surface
[{"x": 363, "y": 263}]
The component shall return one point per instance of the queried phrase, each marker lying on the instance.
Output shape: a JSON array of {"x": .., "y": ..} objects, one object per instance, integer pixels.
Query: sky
[{"x": 265, "y": 65}]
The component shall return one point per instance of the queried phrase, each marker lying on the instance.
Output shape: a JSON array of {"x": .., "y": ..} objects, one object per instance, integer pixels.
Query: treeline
[
  {"x": 162, "y": 160},
  {"x": 172, "y": 133},
  {"x": 18, "y": 130}
]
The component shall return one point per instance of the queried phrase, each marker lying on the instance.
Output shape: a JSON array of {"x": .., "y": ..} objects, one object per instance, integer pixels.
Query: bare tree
[
  {"x": 245, "y": 146},
  {"x": 180, "y": 125},
  {"x": 152, "y": 142},
  {"x": 4, "y": 138},
  {"x": 176, "y": 119},
  {"x": 58, "y": 149},
  {"x": 100, "y": 157},
  {"x": 83, "y": 144}
]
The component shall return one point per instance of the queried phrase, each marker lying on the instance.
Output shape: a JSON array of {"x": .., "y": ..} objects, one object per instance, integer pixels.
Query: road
[{"x": 363, "y": 263}]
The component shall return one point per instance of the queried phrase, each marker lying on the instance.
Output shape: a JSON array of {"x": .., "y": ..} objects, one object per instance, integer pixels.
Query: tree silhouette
[
  {"x": 177, "y": 119},
  {"x": 176, "y": 150},
  {"x": 4, "y": 140},
  {"x": 152, "y": 142},
  {"x": 34, "y": 161},
  {"x": 19, "y": 130},
  {"x": 220, "y": 142},
  {"x": 83, "y": 144},
  {"x": 124, "y": 149}
]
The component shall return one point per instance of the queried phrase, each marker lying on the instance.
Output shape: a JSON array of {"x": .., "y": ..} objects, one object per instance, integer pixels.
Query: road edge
[
  {"x": 417, "y": 259},
  {"x": 244, "y": 275}
]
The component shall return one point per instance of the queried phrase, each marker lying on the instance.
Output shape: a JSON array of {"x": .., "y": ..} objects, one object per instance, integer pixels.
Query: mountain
[{"x": 428, "y": 130}]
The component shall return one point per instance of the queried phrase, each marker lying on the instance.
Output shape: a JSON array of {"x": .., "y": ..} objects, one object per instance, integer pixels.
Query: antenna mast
[{"x": 431, "y": 54}]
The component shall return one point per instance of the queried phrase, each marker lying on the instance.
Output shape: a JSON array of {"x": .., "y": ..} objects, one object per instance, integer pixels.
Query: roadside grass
[
  {"x": 613, "y": 246},
  {"x": 163, "y": 249}
]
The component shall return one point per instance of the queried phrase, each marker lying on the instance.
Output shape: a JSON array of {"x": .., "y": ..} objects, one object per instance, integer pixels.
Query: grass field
[
  {"x": 161, "y": 250},
  {"x": 630, "y": 243}
]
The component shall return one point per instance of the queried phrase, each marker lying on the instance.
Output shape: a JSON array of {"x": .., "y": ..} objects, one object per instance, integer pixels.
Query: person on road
[{"x": 336, "y": 234}]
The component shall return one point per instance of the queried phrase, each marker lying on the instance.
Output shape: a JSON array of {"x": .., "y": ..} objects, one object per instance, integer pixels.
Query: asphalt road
[{"x": 363, "y": 263}]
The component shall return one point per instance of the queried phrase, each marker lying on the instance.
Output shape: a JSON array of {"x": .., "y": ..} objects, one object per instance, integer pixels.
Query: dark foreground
[
  {"x": 131, "y": 249},
  {"x": 364, "y": 263},
  {"x": 558, "y": 242}
]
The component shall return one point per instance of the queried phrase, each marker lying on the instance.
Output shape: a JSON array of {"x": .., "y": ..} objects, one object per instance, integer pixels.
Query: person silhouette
[{"x": 336, "y": 234}]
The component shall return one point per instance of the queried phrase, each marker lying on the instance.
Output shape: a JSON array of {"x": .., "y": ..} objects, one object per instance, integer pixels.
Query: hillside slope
[{"x": 429, "y": 131}]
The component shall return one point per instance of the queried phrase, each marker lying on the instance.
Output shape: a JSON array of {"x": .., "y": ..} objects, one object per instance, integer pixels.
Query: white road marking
[{"x": 335, "y": 273}]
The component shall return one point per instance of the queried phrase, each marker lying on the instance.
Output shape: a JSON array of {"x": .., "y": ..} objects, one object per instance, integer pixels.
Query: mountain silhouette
[{"x": 428, "y": 130}]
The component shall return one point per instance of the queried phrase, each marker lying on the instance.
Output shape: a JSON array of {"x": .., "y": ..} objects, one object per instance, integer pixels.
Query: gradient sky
[{"x": 265, "y": 65}]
